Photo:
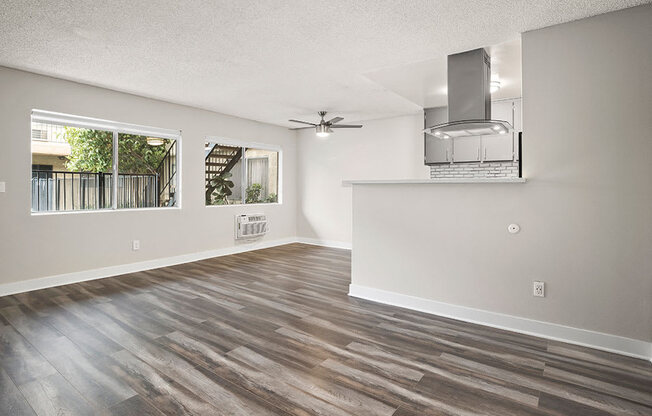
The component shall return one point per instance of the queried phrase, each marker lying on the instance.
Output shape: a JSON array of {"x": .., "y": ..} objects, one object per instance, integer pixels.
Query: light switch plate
[{"x": 2, "y": 187}]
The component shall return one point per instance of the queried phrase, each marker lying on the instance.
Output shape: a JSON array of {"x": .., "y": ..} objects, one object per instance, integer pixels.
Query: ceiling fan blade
[
  {"x": 302, "y": 122},
  {"x": 346, "y": 126},
  {"x": 335, "y": 120},
  {"x": 301, "y": 128}
]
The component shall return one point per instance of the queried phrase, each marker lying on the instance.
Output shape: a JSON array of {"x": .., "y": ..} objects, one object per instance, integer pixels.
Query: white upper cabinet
[
  {"x": 518, "y": 115},
  {"x": 494, "y": 148},
  {"x": 503, "y": 110},
  {"x": 467, "y": 149},
  {"x": 434, "y": 116},
  {"x": 499, "y": 147},
  {"x": 436, "y": 150}
]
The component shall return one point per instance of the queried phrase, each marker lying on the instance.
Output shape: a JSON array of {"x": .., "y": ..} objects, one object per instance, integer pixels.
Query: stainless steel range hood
[{"x": 469, "y": 99}]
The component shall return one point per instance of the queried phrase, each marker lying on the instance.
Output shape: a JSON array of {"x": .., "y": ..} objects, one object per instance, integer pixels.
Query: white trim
[
  {"x": 279, "y": 176},
  {"x": 242, "y": 143},
  {"x": 258, "y": 204},
  {"x": 325, "y": 243},
  {"x": 81, "y": 276},
  {"x": 116, "y": 127},
  {"x": 50, "y": 117},
  {"x": 97, "y": 211},
  {"x": 115, "y": 176},
  {"x": 605, "y": 342}
]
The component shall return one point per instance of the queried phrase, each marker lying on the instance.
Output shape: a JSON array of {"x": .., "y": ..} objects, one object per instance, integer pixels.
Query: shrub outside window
[
  {"x": 82, "y": 164},
  {"x": 241, "y": 173}
]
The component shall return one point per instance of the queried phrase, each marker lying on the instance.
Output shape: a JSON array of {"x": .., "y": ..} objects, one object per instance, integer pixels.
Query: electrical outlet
[
  {"x": 3, "y": 187},
  {"x": 539, "y": 289},
  {"x": 135, "y": 245}
]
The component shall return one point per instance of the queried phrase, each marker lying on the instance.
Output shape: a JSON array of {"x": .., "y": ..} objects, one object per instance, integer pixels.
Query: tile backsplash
[{"x": 475, "y": 170}]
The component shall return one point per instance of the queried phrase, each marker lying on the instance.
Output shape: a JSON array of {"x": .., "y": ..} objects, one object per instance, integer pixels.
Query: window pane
[
  {"x": 71, "y": 168},
  {"x": 223, "y": 174},
  {"x": 262, "y": 176},
  {"x": 147, "y": 171}
]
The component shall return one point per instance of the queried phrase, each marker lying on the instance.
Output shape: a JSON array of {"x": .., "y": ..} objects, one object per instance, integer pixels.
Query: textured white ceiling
[
  {"x": 424, "y": 82},
  {"x": 263, "y": 60}
]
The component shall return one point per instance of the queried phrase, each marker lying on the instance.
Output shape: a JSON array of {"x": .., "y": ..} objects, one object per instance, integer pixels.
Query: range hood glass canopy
[
  {"x": 465, "y": 128},
  {"x": 469, "y": 99}
]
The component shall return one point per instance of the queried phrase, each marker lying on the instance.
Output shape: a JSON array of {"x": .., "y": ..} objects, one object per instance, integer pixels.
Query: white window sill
[
  {"x": 97, "y": 211},
  {"x": 245, "y": 205}
]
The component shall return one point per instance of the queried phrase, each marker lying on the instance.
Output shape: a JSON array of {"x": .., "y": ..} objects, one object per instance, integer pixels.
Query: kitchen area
[
  {"x": 485, "y": 156},
  {"x": 521, "y": 191},
  {"x": 454, "y": 224}
]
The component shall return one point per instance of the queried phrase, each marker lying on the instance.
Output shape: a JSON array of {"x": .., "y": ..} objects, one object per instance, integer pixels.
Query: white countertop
[{"x": 431, "y": 181}]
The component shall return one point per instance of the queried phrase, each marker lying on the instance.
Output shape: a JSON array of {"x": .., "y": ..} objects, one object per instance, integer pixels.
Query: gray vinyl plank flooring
[{"x": 273, "y": 332}]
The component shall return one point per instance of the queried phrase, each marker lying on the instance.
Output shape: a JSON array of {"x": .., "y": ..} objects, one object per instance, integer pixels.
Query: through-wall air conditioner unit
[{"x": 250, "y": 226}]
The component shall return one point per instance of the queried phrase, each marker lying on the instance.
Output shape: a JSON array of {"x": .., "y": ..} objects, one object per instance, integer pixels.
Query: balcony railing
[
  {"x": 71, "y": 191},
  {"x": 166, "y": 173}
]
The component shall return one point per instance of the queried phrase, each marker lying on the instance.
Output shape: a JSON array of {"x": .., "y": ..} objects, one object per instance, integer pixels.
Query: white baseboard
[
  {"x": 605, "y": 342},
  {"x": 82, "y": 276},
  {"x": 324, "y": 243},
  {"x": 601, "y": 341}
]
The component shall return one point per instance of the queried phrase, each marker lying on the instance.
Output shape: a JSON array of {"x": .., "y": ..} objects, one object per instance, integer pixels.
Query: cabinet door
[
  {"x": 437, "y": 150},
  {"x": 435, "y": 115},
  {"x": 498, "y": 147},
  {"x": 518, "y": 115},
  {"x": 466, "y": 149},
  {"x": 502, "y": 110}
]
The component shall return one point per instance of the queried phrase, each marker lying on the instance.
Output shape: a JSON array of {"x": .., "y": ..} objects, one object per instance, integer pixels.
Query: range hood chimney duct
[{"x": 469, "y": 98}]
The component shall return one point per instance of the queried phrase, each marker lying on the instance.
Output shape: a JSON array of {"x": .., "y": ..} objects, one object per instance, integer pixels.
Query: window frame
[
  {"x": 255, "y": 145},
  {"x": 116, "y": 128}
]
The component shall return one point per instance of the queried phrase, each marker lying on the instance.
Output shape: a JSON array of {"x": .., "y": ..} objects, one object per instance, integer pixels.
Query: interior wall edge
[
  {"x": 345, "y": 245},
  {"x": 577, "y": 336}
]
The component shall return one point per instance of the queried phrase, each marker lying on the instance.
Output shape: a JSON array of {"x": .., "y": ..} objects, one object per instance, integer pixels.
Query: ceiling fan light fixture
[{"x": 323, "y": 130}]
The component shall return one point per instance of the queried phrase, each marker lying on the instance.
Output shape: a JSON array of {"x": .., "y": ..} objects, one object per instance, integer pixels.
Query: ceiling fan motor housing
[{"x": 323, "y": 129}]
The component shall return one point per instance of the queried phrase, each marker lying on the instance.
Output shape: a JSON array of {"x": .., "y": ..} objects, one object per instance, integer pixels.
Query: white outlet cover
[
  {"x": 539, "y": 289},
  {"x": 135, "y": 245},
  {"x": 2, "y": 187},
  {"x": 513, "y": 228}
]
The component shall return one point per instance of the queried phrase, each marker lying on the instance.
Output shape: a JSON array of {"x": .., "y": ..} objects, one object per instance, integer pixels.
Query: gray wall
[
  {"x": 585, "y": 212},
  {"x": 382, "y": 149},
  {"x": 38, "y": 246}
]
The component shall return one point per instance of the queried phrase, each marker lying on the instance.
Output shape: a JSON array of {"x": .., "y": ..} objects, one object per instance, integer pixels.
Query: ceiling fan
[{"x": 324, "y": 127}]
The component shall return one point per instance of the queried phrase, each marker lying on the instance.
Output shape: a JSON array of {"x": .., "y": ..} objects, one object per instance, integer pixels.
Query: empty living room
[{"x": 299, "y": 207}]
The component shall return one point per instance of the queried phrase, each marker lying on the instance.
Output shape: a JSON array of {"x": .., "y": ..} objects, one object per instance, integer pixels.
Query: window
[
  {"x": 81, "y": 164},
  {"x": 241, "y": 173}
]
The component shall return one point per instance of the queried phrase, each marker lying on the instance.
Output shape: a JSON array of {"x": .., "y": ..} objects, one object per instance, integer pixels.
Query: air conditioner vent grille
[{"x": 250, "y": 226}]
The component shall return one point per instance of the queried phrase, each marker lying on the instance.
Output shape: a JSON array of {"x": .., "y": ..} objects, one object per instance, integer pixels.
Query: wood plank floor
[{"x": 273, "y": 332}]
